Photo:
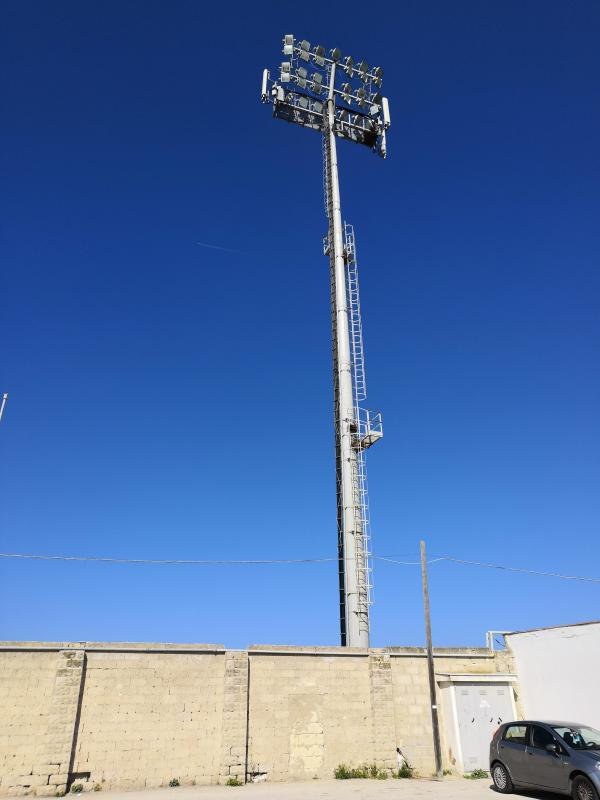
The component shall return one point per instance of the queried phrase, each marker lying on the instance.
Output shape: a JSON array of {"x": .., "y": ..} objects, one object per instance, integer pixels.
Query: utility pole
[
  {"x": 4, "y": 399},
  {"x": 437, "y": 748},
  {"x": 352, "y": 110}
]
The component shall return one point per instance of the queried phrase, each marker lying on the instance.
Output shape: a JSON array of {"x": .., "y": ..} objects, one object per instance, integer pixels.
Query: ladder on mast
[{"x": 367, "y": 425}]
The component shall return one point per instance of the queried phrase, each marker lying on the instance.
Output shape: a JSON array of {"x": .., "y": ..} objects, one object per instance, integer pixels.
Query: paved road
[{"x": 449, "y": 789}]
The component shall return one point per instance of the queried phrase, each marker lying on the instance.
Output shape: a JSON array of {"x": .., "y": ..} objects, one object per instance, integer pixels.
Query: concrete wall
[
  {"x": 558, "y": 672},
  {"x": 126, "y": 716}
]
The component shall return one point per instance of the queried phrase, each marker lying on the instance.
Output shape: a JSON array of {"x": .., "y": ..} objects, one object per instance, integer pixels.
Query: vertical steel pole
[
  {"x": 430, "y": 669},
  {"x": 356, "y": 627}
]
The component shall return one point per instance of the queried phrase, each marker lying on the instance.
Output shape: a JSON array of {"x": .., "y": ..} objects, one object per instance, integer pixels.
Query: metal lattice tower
[{"x": 342, "y": 101}]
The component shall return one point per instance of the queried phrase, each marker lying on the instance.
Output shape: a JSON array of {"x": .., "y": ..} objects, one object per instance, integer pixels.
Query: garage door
[{"x": 480, "y": 708}]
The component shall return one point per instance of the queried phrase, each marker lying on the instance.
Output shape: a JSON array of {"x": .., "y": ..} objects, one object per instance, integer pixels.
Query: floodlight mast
[
  {"x": 355, "y": 428},
  {"x": 354, "y": 607}
]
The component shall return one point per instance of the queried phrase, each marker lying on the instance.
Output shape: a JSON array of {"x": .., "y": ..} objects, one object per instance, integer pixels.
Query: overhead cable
[
  {"x": 201, "y": 562},
  {"x": 283, "y": 561}
]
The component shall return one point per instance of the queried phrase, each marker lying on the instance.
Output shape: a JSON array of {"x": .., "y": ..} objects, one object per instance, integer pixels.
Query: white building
[{"x": 559, "y": 672}]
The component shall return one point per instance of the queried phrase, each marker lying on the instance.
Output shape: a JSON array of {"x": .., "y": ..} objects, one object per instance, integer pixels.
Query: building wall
[
  {"x": 26, "y": 689},
  {"x": 126, "y": 716},
  {"x": 558, "y": 672},
  {"x": 150, "y": 717}
]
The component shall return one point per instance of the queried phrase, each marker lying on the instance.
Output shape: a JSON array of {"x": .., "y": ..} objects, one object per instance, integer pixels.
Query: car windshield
[{"x": 580, "y": 738}]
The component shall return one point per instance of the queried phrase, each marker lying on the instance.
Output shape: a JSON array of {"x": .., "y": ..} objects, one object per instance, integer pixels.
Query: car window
[
  {"x": 516, "y": 734},
  {"x": 540, "y": 737},
  {"x": 580, "y": 738}
]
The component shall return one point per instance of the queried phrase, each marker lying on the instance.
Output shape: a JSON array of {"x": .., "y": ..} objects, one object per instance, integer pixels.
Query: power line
[
  {"x": 520, "y": 570},
  {"x": 201, "y": 562},
  {"x": 284, "y": 561},
  {"x": 407, "y": 563}
]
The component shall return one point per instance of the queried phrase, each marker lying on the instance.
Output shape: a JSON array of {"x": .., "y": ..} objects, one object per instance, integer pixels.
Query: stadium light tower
[{"x": 331, "y": 94}]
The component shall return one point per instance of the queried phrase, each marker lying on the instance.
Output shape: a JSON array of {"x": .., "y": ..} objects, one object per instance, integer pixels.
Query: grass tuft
[{"x": 477, "y": 775}]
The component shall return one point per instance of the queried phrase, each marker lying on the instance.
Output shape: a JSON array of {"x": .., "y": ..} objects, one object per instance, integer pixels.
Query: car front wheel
[
  {"x": 583, "y": 789},
  {"x": 503, "y": 783}
]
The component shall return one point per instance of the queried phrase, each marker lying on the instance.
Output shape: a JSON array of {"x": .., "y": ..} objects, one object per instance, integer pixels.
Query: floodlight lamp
[
  {"x": 378, "y": 76},
  {"x": 319, "y": 52},
  {"x": 336, "y": 54},
  {"x": 346, "y": 89},
  {"x": 288, "y": 44},
  {"x": 303, "y": 102},
  {"x": 361, "y": 94},
  {"x": 286, "y": 69},
  {"x": 318, "y": 107},
  {"x": 301, "y": 76},
  {"x": 304, "y": 50},
  {"x": 348, "y": 66},
  {"x": 363, "y": 68}
]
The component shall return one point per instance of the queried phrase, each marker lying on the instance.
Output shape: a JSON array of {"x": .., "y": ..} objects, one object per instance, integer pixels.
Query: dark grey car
[{"x": 559, "y": 757}]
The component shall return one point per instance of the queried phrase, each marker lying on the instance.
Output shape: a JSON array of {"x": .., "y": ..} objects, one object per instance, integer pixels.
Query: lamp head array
[
  {"x": 318, "y": 55},
  {"x": 305, "y": 79}
]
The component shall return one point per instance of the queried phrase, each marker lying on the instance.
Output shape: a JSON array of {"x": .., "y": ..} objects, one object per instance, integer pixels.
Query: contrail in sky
[{"x": 217, "y": 247}]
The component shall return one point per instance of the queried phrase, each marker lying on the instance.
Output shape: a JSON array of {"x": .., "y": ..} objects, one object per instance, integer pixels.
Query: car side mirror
[{"x": 552, "y": 748}]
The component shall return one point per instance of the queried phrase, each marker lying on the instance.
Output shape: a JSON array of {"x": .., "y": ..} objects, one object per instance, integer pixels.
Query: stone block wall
[
  {"x": 147, "y": 718},
  {"x": 140, "y": 715}
]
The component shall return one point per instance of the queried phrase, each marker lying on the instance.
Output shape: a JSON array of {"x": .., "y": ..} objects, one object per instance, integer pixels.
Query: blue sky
[{"x": 169, "y": 400}]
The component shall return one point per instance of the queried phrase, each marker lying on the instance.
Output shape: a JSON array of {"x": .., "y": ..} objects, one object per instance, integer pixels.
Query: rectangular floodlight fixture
[
  {"x": 319, "y": 52},
  {"x": 288, "y": 44},
  {"x": 304, "y": 50},
  {"x": 301, "y": 74}
]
